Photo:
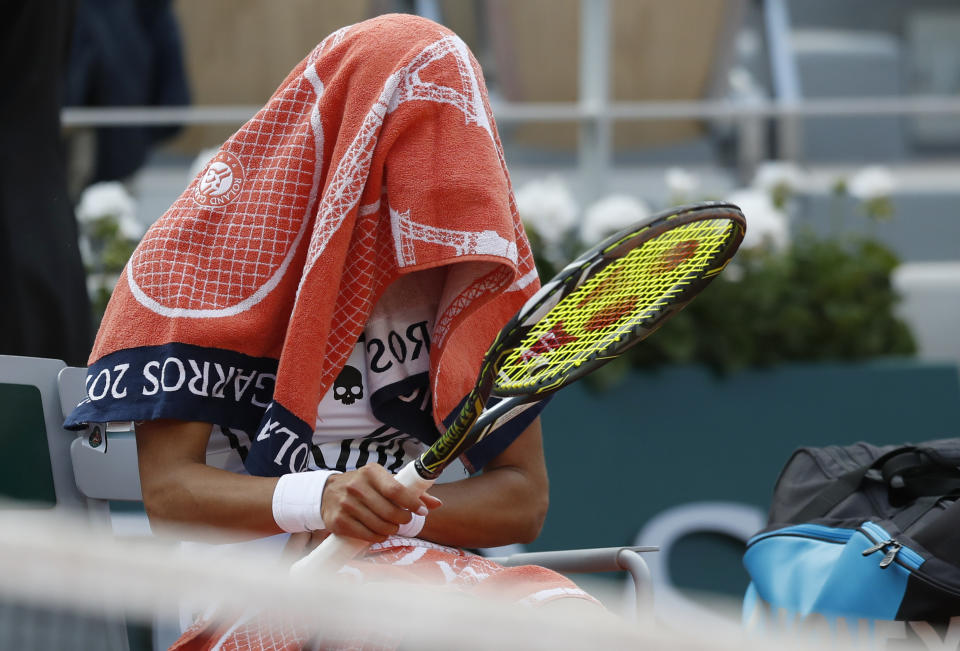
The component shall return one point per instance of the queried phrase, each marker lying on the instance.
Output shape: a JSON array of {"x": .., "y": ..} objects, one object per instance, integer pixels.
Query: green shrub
[
  {"x": 820, "y": 299},
  {"x": 811, "y": 299}
]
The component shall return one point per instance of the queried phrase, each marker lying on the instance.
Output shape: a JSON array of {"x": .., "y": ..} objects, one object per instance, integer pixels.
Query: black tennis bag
[{"x": 861, "y": 541}]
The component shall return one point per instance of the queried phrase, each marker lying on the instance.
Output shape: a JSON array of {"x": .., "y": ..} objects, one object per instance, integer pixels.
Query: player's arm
[
  {"x": 179, "y": 487},
  {"x": 504, "y": 504}
]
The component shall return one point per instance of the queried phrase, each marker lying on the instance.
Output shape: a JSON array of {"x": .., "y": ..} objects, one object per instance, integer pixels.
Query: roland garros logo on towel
[{"x": 220, "y": 182}]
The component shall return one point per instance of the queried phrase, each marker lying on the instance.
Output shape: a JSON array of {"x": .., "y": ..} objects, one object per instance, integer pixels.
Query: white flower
[
  {"x": 200, "y": 162},
  {"x": 99, "y": 280},
  {"x": 681, "y": 183},
  {"x": 742, "y": 83},
  {"x": 733, "y": 272},
  {"x": 874, "y": 182},
  {"x": 130, "y": 228},
  {"x": 773, "y": 176},
  {"x": 109, "y": 199},
  {"x": 86, "y": 252},
  {"x": 609, "y": 215},
  {"x": 766, "y": 224},
  {"x": 548, "y": 207}
]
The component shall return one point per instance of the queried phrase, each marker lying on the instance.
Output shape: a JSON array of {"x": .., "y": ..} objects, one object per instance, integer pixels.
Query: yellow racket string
[{"x": 628, "y": 292}]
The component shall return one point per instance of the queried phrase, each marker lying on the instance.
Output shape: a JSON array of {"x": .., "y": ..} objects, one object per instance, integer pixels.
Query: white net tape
[{"x": 60, "y": 577}]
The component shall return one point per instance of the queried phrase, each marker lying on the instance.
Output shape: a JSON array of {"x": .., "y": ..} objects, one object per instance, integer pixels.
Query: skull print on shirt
[{"x": 348, "y": 387}]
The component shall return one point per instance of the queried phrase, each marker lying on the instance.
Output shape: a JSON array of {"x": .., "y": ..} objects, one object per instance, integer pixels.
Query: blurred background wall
[
  {"x": 238, "y": 52},
  {"x": 530, "y": 51}
]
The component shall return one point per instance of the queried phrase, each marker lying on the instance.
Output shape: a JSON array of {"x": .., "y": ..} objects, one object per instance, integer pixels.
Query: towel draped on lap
[{"x": 398, "y": 559}]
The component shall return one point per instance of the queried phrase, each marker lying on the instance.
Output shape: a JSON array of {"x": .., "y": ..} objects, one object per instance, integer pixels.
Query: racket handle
[
  {"x": 409, "y": 477},
  {"x": 330, "y": 555},
  {"x": 335, "y": 551}
]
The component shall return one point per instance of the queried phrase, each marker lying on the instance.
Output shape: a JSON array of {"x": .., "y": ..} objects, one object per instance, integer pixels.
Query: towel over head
[{"x": 377, "y": 159}]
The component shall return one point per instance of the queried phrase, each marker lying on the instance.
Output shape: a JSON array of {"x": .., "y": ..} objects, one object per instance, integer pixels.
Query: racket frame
[{"x": 473, "y": 422}]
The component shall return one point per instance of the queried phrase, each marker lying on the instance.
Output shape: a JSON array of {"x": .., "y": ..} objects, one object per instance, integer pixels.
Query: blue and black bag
[{"x": 861, "y": 541}]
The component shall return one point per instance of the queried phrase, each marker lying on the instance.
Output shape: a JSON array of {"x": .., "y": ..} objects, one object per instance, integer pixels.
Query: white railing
[
  {"x": 518, "y": 112},
  {"x": 595, "y": 112}
]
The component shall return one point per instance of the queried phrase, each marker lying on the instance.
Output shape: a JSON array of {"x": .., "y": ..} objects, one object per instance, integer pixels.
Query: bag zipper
[
  {"x": 891, "y": 553},
  {"x": 878, "y": 537},
  {"x": 903, "y": 556},
  {"x": 891, "y": 547},
  {"x": 817, "y": 531}
]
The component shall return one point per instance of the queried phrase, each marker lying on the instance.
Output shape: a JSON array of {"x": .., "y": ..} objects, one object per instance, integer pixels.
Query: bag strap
[
  {"x": 903, "y": 469},
  {"x": 941, "y": 536},
  {"x": 842, "y": 487},
  {"x": 831, "y": 495},
  {"x": 916, "y": 474},
  {"x": 895, "y": 468},
  {"x": 920, "y": 507}
]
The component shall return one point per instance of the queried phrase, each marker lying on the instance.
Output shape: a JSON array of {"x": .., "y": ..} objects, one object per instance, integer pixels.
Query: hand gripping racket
[{"x": 607, "y": 300}]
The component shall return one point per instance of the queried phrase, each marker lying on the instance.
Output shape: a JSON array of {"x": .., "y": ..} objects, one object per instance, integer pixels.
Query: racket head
[{"x": 613, "y": 296}]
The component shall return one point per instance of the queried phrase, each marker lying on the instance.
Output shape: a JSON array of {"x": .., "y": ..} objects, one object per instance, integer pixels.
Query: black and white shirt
[{"x": 348, "y": 435}]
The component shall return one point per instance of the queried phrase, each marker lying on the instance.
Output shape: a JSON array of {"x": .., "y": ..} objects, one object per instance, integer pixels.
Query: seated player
[{"x": 314, "y": 307}]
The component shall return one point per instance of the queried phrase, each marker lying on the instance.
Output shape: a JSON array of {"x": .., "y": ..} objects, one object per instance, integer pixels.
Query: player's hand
[
  {"x": 368, "y": 503},
  {"x": 300, "y": 543}
]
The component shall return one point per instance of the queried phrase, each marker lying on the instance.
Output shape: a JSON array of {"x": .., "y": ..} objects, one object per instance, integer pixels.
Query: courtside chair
[{"x": 36, "y": 471}]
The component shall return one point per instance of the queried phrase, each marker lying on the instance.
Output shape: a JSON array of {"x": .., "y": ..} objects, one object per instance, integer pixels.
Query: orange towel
[
  {"x": 406, "y": 560},
  {"x": 377, "y": 157}
]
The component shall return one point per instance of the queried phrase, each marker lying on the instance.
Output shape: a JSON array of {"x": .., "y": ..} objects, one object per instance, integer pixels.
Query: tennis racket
[{"x": 607, "y": 300}]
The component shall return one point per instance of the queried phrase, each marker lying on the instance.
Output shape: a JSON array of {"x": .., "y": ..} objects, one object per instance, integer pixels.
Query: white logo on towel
[
  {"x": 348, "y": 180},
  {"x": 221, "y": 182},
  {"x": 243, "y": 238},
  {"x": 406, "y": 231}
]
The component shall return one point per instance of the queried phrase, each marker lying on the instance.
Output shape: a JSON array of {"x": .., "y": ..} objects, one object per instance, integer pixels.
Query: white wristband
[
  {"x": 296, "y": 500},
  {"x": 412, "y": 528}
]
